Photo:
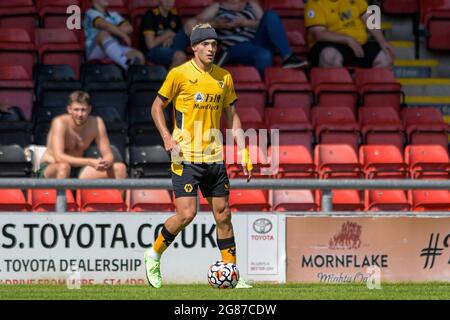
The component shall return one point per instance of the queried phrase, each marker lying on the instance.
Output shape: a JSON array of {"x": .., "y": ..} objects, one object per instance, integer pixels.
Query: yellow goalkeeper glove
[{"x": 246, "y": 161}]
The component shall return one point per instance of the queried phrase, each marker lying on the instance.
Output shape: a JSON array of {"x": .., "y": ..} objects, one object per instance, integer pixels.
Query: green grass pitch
[{"x": 388, "y": 291}]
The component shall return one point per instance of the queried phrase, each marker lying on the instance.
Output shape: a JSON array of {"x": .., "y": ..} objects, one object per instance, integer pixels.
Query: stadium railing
[{"x": 325, "y": 185}]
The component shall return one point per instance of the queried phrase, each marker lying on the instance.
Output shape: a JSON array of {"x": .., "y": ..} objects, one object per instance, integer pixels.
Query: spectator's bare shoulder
[
  {"x": 60, "y": 121},
  {"x": 95, "y": 122}
]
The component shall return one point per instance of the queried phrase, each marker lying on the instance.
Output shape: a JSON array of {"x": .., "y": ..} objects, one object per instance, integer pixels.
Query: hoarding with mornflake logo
[
  {"x": 108, "y": 248},
  {"x": 342, "y": 249}
]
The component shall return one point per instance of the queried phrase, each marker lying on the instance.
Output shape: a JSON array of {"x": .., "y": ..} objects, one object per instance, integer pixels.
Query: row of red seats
[
  {"x": 280, "y": 88},
  {"x": 48, "y": 9},
  {"x": 329, "y": 162},
  {"x": 337, "y": 160},
  {"x": 333, "y": 87},
  {"x": 375, "y": 125},
  {"x": 240, "y": 200},
  {"x": 49, "y": 45}
]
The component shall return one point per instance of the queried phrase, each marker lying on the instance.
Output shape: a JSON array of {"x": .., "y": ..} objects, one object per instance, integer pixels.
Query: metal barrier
[{"x": 284, "y": 184}]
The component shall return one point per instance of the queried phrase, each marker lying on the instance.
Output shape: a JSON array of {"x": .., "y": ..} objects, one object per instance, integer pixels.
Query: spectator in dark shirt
[
  {"x": 162, "y": 36},
  {"x": 8, "y": 113}
]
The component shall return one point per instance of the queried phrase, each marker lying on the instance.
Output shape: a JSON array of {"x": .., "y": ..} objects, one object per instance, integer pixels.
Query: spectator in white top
[{"x": 107, "y": 35}]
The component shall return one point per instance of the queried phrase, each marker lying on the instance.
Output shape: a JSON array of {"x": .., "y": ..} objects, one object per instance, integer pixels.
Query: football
[{"x": 223, "y": 275}]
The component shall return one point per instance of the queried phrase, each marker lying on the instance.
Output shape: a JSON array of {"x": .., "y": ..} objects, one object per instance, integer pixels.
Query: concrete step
[
  {"x": 443, "y": 70},
  {"x": 404, "y": 50},
  {"x": 443, "y": 103},
  {"x": 397, "y": 28},
  {"x": 425, "y": 86}
]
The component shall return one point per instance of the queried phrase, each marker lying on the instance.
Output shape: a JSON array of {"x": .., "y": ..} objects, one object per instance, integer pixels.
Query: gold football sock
[
  {"x": 163, "y": 241},
  {"x": 227, "y": 249}
]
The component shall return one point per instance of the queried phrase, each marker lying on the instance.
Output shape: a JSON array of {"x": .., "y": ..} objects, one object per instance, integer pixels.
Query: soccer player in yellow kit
[
  {"x": 337, "y": 35},
  {"x": 200, "y": 91}
]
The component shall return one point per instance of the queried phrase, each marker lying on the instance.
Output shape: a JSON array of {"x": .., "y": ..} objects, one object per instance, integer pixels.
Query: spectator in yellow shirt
[{"x": 337, "y": 35}]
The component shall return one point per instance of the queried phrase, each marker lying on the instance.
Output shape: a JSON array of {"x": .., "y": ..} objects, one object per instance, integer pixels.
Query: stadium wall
[
  {"x": 342, "y": 249},
  {"x": 108, "y": 248}
]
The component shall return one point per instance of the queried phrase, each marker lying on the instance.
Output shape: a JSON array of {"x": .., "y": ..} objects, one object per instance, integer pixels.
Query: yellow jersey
[
  {"x": 198, "y": 99},
  {"x": 340, "y": 16}
]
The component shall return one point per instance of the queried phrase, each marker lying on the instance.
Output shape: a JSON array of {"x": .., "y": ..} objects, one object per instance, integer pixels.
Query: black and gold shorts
[{"x": 212, "y": 179}]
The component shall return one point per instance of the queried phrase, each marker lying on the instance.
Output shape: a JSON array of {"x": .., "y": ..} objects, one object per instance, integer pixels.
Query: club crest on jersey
[
  {"x": 199, "y": 97},
  {"x": 221, "y": 84}
]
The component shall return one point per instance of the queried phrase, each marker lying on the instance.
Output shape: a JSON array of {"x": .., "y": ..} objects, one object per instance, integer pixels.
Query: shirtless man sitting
[{"x": 69, "y": 137}]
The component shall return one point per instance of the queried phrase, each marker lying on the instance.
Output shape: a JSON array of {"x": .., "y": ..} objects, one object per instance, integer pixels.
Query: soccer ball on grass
[{"x": 223, "y": 275}]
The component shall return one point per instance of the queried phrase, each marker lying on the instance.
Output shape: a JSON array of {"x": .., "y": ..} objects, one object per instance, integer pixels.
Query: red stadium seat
[
  {"x": 150, "y": 200},
  {"x": 18, "y": 13},
  {"x": 258, "y": 156},
  {"x": 295, "y": 161},
  {"x": 16, "y": 88},
  {"x": 378, "y": 87},
  {"x": 335, "y": 125},
  {"x": 431, "y": 200},
  {"x": 435, "y": 17},
  {"x": 381, "y": 126},
  {"x": 387, "y": 200},
  {"x": 334, "y": 87},
  {"x": 250, "y": 117},
  {"x": 382, "y": 161},
  {"x": 60, "y": 46},
  {"x": 287, "y": 119},
  {"x": 13, "y": 200},
  {"x": 336, "y": 161},
  {"x": 287, "y": 138},
  {"x": 17, "y": 48},
  {"x": 191, "y": 8},
  {"x": 428, "y": 162},
  {"x": 42, "y": 200},
  {"x": 53, "y": 13},
  {"x": 286, "y": 8},
  {"x": 249, "y": 87},
  {"x": 344, "y": 200},
  {"x": 288, "y": 88},
  {"x": 249, "y": 200},
  {"x": 400, "y": 6},
  {"x": 100, "y": 200},
  {"x": 339, "y": 162},
  {"x": 293, "y": 200},
  {"x": 425, "y": 126}
]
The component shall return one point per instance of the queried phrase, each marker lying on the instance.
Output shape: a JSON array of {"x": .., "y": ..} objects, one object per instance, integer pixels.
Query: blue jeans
[
  {"x": 270, "y": 38},
  {"x": 163, "y": 56}
]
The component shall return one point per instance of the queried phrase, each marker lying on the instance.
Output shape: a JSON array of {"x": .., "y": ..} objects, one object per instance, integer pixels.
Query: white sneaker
[
  {"x": 242, "y": 284},
  {"x": 152, "y": 271}
]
